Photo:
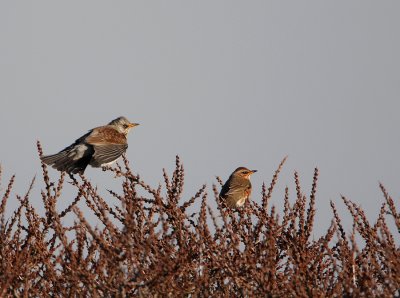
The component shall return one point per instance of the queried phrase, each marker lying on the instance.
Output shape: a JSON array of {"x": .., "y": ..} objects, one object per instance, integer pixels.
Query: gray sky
[{"x": 221, "y": 83}]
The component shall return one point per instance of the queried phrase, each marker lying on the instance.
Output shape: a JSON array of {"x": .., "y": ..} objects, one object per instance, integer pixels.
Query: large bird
[{"x": 101, "y": 146}]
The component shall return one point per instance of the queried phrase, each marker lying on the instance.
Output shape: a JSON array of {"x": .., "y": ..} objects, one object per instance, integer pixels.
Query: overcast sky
[{"x": 221, "y": 83}]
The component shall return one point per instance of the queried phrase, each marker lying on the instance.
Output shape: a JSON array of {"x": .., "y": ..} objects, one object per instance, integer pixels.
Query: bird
[
  {"x": 237, "y": 189},
  {"x": 100, "y": 147}
]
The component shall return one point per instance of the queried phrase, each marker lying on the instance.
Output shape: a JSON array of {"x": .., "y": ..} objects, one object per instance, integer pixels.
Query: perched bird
[
  {"x": 238, "y": 188},
  {"x": 101, "y": 146}
]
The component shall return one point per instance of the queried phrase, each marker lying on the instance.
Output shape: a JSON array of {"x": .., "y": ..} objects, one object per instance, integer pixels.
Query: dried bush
[{"x": 149, "y": 246}]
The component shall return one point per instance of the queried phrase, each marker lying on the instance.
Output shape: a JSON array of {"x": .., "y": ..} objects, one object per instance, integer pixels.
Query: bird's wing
[
  {"x": 108, "y": 145},
  {"x": 235, "y": 188},
  {"x": 107, "y": 153},
  {"x": 235, "y": 192}
]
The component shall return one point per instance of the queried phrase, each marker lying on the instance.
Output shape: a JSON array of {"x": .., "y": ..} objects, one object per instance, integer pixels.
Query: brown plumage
[
  {"x": 237, "y": 189},
  {"x": 99, "y": 147}
]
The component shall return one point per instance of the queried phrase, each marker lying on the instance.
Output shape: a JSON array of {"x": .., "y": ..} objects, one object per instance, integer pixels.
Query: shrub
[{"x": 149, "y": 245}]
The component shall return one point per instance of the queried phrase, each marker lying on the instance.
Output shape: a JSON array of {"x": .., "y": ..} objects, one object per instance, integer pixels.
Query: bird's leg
[{"x": 73, "y": 179}]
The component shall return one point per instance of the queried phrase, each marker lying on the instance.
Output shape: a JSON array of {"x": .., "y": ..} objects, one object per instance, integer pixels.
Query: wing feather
[
  {"x": 235, "y": 188},
  {"x": 104, "y": 154}
]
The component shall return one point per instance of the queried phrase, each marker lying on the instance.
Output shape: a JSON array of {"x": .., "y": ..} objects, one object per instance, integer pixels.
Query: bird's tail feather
[
  {"x": 51, "y": 159},
  {"x": 64, "y": 162}
]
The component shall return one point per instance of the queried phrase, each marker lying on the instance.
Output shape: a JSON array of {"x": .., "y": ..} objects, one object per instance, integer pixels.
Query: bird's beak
[
  {"x": 133, "y": 125},
  {"x": 253, "y": 171}
]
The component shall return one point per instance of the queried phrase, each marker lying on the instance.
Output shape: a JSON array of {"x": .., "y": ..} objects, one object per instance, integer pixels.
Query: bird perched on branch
[
  {"x": 100, "y": 147},
  {"x": 237, "y": 189}
]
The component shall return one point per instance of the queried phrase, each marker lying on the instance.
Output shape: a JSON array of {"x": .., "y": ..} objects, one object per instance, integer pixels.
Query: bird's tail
[{"x": 64, "y": 162}]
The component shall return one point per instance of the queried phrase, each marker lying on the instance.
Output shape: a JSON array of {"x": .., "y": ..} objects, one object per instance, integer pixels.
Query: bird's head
[
  {"x": 243, "y": 172},
  {"x": 123, "y": 125}
]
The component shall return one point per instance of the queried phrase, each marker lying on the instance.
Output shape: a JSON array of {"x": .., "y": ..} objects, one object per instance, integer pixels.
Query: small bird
[
  {"x": 100, "y": 147},
  {"x": 237, "y": 189}
]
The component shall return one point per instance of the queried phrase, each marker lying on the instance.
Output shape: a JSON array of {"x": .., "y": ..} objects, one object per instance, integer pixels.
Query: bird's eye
[
  {"x": 245, "y": 172},
  {"x": 125, "y": 126}
]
